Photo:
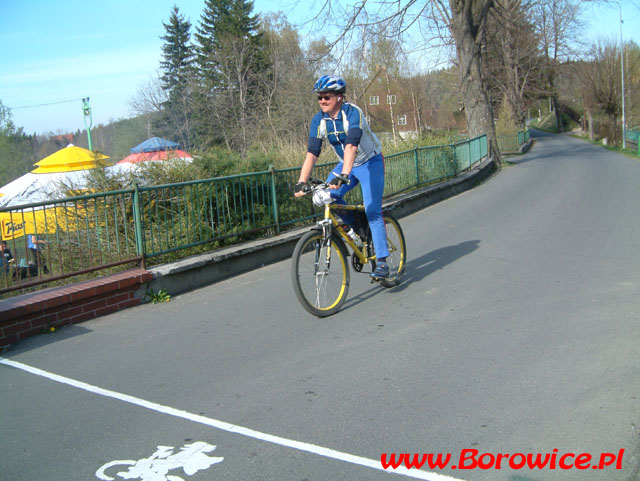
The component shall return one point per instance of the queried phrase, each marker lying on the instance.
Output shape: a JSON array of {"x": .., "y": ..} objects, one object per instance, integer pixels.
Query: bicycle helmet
[{"x": 330, "y": 83}]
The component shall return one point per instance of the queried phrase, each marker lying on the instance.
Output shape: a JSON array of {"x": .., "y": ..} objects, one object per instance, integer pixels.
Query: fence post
[
  {"x": 274, "y": 198},
  {"x": 137, "y": 222},
  {"x": 415, "y": 155},
  {"x": 455, "y": 160}
]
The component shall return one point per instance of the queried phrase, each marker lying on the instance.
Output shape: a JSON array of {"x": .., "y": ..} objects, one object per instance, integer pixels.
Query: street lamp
[{"x": 86, "y": 109}]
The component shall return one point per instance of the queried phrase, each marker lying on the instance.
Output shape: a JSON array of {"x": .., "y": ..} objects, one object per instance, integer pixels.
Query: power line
[{"x": 44, "y": 105}]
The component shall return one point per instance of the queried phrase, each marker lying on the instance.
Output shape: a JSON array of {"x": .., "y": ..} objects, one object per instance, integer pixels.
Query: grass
[
  {"x": 612, "y": 148},
  {"x": 157, "y": 297},
  {"x": 546, "y": 123},
  {"x": 504, "y": 162}
]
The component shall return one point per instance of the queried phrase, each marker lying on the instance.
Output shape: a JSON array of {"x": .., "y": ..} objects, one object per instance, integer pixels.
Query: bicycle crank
[{"x": 355, "y": 262}]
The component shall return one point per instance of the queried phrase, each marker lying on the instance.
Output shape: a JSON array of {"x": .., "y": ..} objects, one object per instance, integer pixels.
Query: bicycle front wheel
[
  {"x": 397, "y": 258},
  {"x": 320, "y": 273}
]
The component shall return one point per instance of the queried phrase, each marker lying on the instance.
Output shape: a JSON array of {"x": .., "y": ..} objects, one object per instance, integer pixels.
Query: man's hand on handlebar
[
  {"x": 338, "y": 180},
  {"x": 299, "y": 189}
]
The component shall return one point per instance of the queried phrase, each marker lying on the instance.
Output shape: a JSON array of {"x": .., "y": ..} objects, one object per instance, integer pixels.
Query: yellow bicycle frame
[{"x": 359, "y": 252}]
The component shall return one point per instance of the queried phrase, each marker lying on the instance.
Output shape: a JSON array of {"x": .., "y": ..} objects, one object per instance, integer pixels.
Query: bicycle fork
[
  {"x": 326, "y": 242},
  {"x": 322, "y": 263}
]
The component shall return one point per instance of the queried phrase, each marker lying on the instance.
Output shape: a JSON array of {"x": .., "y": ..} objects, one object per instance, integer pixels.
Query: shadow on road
[
  {"x": 418, "y": 269},
  {"x": 44, "y": 338}
]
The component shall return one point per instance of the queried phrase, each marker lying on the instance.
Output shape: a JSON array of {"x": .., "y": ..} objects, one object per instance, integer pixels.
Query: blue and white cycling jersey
[{"x": 349, "y": 128}]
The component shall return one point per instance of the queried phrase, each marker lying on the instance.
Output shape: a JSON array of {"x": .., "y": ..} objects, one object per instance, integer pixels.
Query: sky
[{"x": 54, "y": 54}]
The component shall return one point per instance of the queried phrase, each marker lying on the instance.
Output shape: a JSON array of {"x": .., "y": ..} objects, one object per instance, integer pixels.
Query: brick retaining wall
[{"x": 30, "y": 314}]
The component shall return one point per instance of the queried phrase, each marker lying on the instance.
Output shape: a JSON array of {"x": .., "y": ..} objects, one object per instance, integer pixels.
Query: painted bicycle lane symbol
[{"x": 191, "y": 458}]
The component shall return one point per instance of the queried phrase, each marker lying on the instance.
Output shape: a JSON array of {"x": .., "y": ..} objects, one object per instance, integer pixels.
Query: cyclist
[{"x": 360, "y": 160}]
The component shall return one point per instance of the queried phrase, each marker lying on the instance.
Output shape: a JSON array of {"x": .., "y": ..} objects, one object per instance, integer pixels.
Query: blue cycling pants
[{"x": 370, "y": 176}]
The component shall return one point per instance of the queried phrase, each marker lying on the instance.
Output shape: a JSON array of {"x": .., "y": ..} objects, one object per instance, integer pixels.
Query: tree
[
  {"x": 233, "y": 109},
  {"x": 600, "y": 83},
  {"x": 466, "y": 21},
  {"x": 632, "y": 85},
  {"x": 230, "y": 59},
  {"x": 176, "y": 53},
  {"x": 558, "y": 26},
  {"x": 512, "y": 59},
  {"x": 377, "y": 58},
  {"x": 16, "y": 152},
  {"x": 149, "y": 102},
  {"x": 287, "y": 101},
  {"x": 221, "y": 20},
  {"x": 445, "y": 101},
  {"x": 177, "y": 74},
  {"x": 7, "y": 127}
]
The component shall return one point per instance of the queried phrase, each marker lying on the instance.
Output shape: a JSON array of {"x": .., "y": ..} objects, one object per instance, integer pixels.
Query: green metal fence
[
  {"x": 632, "y": 137},
  {"x": 512, "y": 143},
  {"x": 75, "y": 237},
  {"x": 150, "y": 224}
]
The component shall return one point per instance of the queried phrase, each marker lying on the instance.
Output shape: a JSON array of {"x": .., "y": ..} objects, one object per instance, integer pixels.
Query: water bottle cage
[{"x": 352, "y": 235}]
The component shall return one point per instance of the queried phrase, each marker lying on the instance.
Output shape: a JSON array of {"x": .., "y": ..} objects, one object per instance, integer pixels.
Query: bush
[
  {"x": 506, "y": 124},
  {"x": 547, "y": 123},
  {"x": 221, "y": 162},
  {"x": 568, "y": 122}
]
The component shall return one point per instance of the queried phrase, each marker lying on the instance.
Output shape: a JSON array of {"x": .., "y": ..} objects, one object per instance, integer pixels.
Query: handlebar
[{"x": 315, "y": 183}]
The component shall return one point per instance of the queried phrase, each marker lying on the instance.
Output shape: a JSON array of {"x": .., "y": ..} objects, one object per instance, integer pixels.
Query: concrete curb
[
  {"x": 526, "y": 146},
  {"x": 200, "y": 270},
  {"x": 521, "y": 150}
]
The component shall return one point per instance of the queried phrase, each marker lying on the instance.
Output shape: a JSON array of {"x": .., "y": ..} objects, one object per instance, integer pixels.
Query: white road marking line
[{"x": 232, "y": 428}]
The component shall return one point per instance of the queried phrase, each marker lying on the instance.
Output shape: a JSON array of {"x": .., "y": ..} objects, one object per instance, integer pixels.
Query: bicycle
[{"x": 319, "y": 267}]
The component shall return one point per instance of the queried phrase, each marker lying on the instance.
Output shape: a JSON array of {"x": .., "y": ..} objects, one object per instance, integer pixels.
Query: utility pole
[
  {"x": 624, "y": 132},
  {"x": 86, "y": 109}
]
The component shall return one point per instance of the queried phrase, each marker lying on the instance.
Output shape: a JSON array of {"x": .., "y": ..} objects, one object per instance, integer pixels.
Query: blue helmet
[{"x": 330, "y": 83}]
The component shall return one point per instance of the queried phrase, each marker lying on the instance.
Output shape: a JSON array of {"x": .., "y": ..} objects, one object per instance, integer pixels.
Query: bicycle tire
[
  {"x": 321, "y": 290},
  {"x": 397, "y": 258}
]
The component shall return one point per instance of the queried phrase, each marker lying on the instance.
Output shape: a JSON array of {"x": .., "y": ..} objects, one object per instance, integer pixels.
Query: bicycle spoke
[{"x": 320, "y": 278}]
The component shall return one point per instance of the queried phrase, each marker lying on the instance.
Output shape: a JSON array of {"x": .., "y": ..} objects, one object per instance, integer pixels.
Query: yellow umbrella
[
  {"x": 69, "y": 159},
  {"x": 46, "y": 220},
  {"x": 43, "y": 221}
]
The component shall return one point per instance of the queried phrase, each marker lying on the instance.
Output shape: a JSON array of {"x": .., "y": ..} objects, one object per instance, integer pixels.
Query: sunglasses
[{"x": 325, "y": 97}]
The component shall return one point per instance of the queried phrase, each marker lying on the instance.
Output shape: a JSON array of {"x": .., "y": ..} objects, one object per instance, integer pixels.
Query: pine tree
[
  {"x": 177, "y": 55},
  {"x": 231, "y": 57},
  {"x": 221, "y": 22},
  {"x": 177, "y": 73}
]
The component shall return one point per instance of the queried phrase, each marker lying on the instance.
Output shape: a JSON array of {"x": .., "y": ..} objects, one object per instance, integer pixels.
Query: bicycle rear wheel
[
  {"x": 397, "y": 258},
  {"x": 320, "y": 273}
]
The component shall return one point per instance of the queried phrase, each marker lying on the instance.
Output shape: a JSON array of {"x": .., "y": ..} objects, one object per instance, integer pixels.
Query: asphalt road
[{"x": 516, "y": 331}]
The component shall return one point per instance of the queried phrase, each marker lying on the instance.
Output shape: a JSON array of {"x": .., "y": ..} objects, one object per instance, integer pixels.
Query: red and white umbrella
[{"x": 157, "y": 156}]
